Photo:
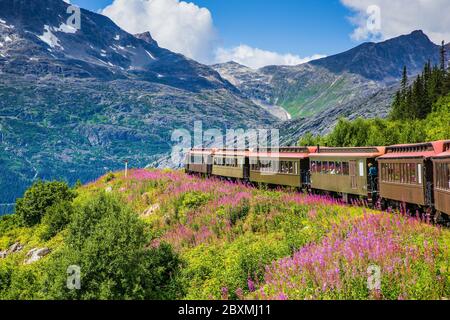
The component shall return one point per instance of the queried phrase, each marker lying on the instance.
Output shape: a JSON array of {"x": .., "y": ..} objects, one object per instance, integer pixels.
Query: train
[{"x": 413, "y": 176}]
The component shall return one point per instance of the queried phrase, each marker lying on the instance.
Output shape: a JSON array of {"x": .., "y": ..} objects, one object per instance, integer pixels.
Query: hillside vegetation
[
  {"x": 420, "y": 112},
  {"x": 167, "y": 235}
]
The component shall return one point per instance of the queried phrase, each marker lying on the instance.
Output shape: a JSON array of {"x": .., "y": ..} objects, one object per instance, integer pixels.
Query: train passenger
[{"x": 373, "y": 175}]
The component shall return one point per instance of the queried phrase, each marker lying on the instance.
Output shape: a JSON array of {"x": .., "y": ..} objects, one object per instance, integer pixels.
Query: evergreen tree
[
  {"x": 420, "y": 105},
  {"x": 396, "y": 112},
  {"x": 404, "y": 80},
  {"x": 443, "y": 59},
  {"x": 415, "y": 101},
  {"x": 446, "y": 85},
  {"x": 409, "y": 112}
]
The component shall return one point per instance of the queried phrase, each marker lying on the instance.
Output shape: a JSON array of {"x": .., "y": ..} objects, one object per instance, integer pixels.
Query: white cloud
[
  {"x": 186, "y": 28},
  {"x": 177, "y": 25},
  {"x": 256, "y": 58},
  {"x": 401, "y": 17}
]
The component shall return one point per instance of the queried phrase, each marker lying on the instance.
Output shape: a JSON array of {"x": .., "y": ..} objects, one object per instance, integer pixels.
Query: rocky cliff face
[{"x": 75, "y": 103}]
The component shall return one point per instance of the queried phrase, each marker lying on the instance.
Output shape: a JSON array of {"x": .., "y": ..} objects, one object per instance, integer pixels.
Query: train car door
[
  {"x": 429, "y": 183},
  {"x": 246, "y": 168},
  {"x": 353, "y": 173}
]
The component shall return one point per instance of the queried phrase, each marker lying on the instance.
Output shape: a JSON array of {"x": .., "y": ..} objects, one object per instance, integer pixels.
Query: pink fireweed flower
[
  {"x": 251, "y": 285},
  {"x": 340, "y": 257}
]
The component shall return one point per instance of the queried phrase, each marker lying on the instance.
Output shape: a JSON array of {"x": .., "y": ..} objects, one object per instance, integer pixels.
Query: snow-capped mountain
[
  {"x": 42, "y": 37},
  {"x": 75, "y": 101}
]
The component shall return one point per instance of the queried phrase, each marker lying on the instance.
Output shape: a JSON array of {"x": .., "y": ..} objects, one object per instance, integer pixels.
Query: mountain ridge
[{"x": 359, "y": 82}]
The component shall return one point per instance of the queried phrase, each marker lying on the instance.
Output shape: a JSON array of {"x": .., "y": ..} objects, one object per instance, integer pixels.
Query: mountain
[
  {"x": 384, "y": 61},
  {"x": 75, "y": 103},
  {"x": 38, "y": 41},
  {"x": 359, "y": 82}
]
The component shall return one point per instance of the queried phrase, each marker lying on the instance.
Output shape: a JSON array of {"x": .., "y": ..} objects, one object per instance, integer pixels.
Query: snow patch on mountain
[
  {"x": 150, "y": 55},
  {"x": 49, "y": 38},
  {"x": 66, "y": 28}
]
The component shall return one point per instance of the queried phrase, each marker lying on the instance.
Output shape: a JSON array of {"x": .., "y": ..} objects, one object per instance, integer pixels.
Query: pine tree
[
  {"x": 443, "y": 59},
  {"x": 404, "y": 81},
  {"x": 420, "y": 105},
  {"x": 446, "y": 85},
  {"x": 416, "y": 101},
  {"x": 396, "y": 113},
  {"x": 409, "y": 112}
]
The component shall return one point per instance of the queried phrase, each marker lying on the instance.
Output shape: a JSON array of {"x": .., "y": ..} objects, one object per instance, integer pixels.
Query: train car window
[
  {"x": 319, "y": 167},
  {"x": 439, "y": 176},
  {"x": 396, "y": 172},
  {"x": 412, "y": 173},
  {"x": 419, "y": 173},
  {"x": 442, "y": 176},
  {"x": 406, "y": 173},
  {"x": 196, "y": 159},
  {"x": 384, "y": 172},
  {"x": 346, "y": 168},
  {"x": 284, "y": 167},
  {"x": 447, "y": 177},
  {"x": 266, "y": 166},
  {"x": 332, "y": 168},
  {"x": 339, "y": 168},
  {"x": 313, "y": 166},
  {"x": 325, "y": 167},
  {"x": 361, "y": 168},
  {"x": 402, "y": 173}
]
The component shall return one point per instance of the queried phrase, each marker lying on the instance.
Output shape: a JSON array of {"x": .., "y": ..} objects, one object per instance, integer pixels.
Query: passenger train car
[
  {"x": 230, "y": 163},
  {"x": 442, "y": 181},
  {"x": 415, "y": 175},
  {"x": 343, "y": 170},
  {"x": 407, "y": 173},
  {"x": 283, "y": 166},
  {"x": 199, "y": 161}
]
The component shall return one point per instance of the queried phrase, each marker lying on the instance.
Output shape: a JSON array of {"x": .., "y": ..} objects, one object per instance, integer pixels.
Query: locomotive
[{"x": 416, "y": 176}]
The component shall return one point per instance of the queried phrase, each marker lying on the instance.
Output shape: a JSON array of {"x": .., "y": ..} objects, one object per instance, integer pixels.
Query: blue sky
[{"x": 263, "y": 32}]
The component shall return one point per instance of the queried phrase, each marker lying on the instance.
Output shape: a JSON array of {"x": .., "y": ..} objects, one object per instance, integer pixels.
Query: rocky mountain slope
[
  {"x": 359, "y": 82},
  {"x": 75, "y": 103}
]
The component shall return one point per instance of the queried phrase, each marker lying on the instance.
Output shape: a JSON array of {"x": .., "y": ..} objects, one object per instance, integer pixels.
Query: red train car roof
[
  {"x": 284, "y": 152},
  {"x": 358, "y": 152},
  {"x": 231, "y": 152},
  {"x": 418, "y": 150},
  {"x": 278, "y": 155},
  {"x": 446, "y": 151},
  {"x": 201, "y": 151}
]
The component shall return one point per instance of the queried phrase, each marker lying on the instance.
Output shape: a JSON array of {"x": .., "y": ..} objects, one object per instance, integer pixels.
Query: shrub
[
  {"x": 24, "y": 283},
  {"x": 108, "y": 242},
  {"x": 211, "y": 268},
  {"x": 9, "y": 222},
  {"x": 110, "y": 177},
  {"x": 41, "y": 196},
  {"x": 57, "y": 217}
]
